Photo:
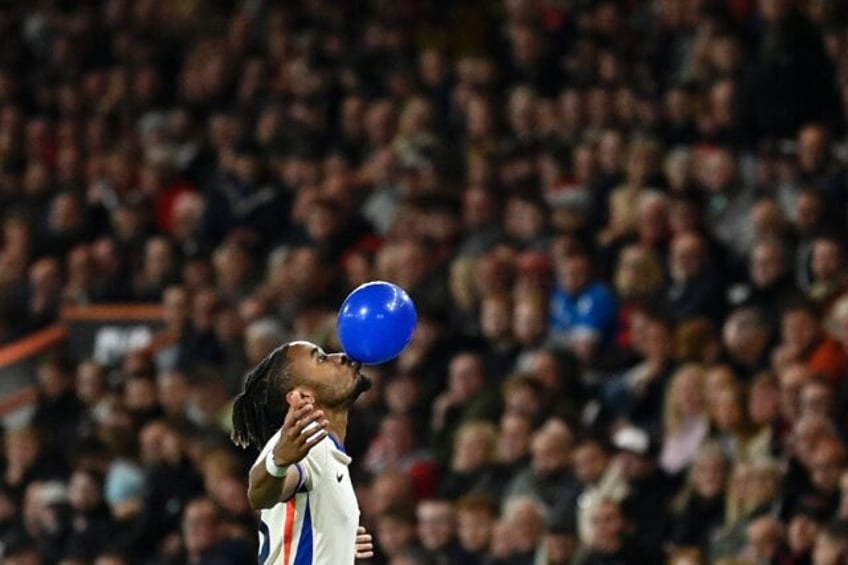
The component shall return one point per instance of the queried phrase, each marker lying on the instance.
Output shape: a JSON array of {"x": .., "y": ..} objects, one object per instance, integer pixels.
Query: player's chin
[{"x": 363, "y": 383}]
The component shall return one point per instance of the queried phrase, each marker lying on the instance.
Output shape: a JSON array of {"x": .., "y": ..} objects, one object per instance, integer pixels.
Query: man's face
[
  {"x": 635, "y": 466},
  {"x": 590, "y": 462},
  {"x": 828, "y": 549},
  {"x": 812, "y": 148},
  {"x": 802, "y": 533},
  {"x": 514, "y": 438},
  {"x": 766, "y": 264},
  {"x": 816, "y": 398},
  {"x": 465, "y": 376},
  {"x": 607, "y": 526},
  {"x": 435, "y": 524},
  {"x": 172, "y": 390},
  {"x": 743, "y": 337},
  {"x": 774, "y": 10},
  {"x": 809, "y": 209},
  {"x": 719, "y": 170},
  {"x": 496, "y": 319},
  {"x": 764, "y": 537},
  {"x": 397, "y": 433},
  {"x": 764, "y": 403},
  {"x": 247, "y": 167},
  {"x": 175, "y": 306},
  {"x": 709, "y": 475},
  {"x": 792, "y": 379},
  {"x": 83, "y": 492},
  {"x": 336, "y": 379},
  {"x": 477, "y": 209},
  {"x": 527, "y": 526},
  {"x": 475, "y": 530},
  {"x": 550, "y": 455},
  {"x": 826, "y": 466},
  {"x": 528, "y": 322},
  {"x": 826, "y": 262},
  {"x": 658, "y": 340},
  {"x": 140, "y": 394},
  {"x": 53, "y": 381},
  {"x": 686, "y": 257},
  {"x": 472, "y": 449},
  {"x": 394, "y": 534},
  {"x": 574, "y": 273},
  {"x": 560, "y": 548},
  {"x": 200, "y": 527},
  {"x": 726, "y": 409},
  {"x": 799, "y": 327}
]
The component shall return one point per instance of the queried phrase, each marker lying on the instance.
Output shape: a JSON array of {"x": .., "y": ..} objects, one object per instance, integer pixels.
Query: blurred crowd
[{"x": 623, "y": 223}]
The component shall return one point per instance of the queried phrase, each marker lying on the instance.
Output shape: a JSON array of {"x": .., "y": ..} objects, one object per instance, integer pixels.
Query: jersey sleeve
[
  {"x": 303, "y": 474},
  {"x": 312, "y": 466},
  {"x": 268, "y": 447}
]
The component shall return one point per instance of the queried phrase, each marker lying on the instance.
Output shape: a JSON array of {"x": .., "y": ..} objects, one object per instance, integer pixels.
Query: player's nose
[
  {"x": 343, "y": 359},
  {"x": 348, "y": 361}
]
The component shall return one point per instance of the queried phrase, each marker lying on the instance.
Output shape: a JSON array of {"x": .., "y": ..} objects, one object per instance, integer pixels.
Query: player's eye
[{"x": 322, "y": 357}]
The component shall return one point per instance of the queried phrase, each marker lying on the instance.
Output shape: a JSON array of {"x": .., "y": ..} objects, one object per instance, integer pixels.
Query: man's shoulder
[
  {"x": 322, "y": 456},
  {"x": 269, "y": 445}
]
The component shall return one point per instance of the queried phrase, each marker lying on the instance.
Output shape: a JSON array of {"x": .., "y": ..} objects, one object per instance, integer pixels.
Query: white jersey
[{"x": 316, "y": 526}]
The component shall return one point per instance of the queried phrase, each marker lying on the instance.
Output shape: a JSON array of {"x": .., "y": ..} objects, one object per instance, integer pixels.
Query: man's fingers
[
  {"x": 315, "y": 438},
  {"x": 295, "y": 413},
  {"x": 305, "y": 421},
  {"x": 311, "y": 436},
  {"x": 312, "y": 428},
  {"x": 291, "y": 415},
  {"x": 302, "y": 418},
  {"x": 364, "y": 547},
  {"x": 302, "y": 411}
]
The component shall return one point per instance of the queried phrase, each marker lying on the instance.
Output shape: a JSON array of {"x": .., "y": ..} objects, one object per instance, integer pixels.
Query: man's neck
[{"x": 338, "y": 423}]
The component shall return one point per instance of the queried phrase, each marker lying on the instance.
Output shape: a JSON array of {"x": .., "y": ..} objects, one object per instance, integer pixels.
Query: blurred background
[{"x": 623, "y": 223}]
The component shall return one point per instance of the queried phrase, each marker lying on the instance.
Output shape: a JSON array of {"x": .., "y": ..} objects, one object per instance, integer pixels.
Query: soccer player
[{"x": 300, "y": 481}]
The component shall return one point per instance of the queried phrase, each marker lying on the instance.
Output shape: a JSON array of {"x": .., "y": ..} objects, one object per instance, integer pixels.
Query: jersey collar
[{"x": 339, "y": 445}]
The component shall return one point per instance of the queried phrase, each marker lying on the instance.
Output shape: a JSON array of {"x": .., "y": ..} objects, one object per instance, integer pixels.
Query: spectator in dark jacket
[
  {"x": 92, "y": 528},
  {"x": 695, "y": 287},
  {"x": 698, "y": 511},
  {"x": 245, "y": 196},
  {"x": 790, "y": 80}
]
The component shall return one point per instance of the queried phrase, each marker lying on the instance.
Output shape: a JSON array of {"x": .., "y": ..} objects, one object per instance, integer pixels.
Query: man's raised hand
[{"x": 303, "y": 428}]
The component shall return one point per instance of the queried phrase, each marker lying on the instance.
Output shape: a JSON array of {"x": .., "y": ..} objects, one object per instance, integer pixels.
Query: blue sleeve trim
[{"x": 301, "y": 483}]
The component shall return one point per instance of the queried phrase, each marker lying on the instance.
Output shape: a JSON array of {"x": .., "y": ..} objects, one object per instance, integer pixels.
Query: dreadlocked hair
[{"x": 258, "y": 412}]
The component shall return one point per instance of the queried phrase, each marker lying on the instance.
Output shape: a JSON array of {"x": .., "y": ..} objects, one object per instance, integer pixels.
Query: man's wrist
[{"x": 276, "y": 471}]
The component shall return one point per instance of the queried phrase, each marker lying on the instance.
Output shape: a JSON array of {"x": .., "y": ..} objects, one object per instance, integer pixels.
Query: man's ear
[
  {"x": 297, "y": 398},
  {"x": 293, "y": 398}
]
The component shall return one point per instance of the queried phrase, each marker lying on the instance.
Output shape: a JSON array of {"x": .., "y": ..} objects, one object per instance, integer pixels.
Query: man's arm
[{"x": 266, "y": 490}]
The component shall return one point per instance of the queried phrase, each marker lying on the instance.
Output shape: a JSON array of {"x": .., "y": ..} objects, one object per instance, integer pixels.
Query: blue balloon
[{"x": 376, "y": 322}]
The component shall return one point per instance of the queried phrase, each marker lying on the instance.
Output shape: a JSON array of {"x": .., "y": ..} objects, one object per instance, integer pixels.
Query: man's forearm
[{"x": 265, "y": 491}]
